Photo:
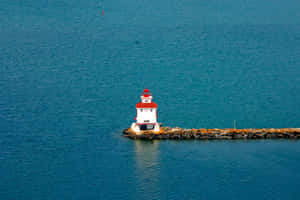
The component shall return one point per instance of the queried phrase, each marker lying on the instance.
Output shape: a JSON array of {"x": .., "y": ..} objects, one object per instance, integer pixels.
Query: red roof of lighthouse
[
  {"x": 146, "y": 105},
  {"x": 146, "y": 93}
]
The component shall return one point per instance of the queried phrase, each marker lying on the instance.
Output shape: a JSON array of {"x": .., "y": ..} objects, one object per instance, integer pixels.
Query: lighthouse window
[
  {"x": 146, "y": 101},
  {"x": 141, "y": 110},
  {"x": 151, "y": 110}
]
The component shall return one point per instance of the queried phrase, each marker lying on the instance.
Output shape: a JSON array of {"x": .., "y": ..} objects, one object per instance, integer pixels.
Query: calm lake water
[{"x": 70, "y": 79}]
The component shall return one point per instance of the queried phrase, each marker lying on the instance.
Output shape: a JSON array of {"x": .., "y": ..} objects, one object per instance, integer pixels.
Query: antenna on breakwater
[{"x": 234, "y": 124}]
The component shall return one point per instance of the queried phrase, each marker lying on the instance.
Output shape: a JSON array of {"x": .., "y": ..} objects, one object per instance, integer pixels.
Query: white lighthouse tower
[{"x": 146, "y": 114}]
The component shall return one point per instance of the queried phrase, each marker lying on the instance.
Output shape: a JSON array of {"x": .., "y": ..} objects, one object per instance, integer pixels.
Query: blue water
[{"x": 70, "y": 79}]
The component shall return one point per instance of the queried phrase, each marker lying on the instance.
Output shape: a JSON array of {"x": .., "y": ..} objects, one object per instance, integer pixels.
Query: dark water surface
[{"x": 70, "y": 79}]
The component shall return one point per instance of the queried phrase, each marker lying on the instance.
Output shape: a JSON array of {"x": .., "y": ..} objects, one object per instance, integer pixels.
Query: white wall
[
  {"x": 146, "y": 99},
  {"x": 146, "y": 114}
]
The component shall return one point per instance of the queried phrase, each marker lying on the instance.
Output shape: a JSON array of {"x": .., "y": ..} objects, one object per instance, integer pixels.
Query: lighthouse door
[
  {"x": 146, "y": 127},
  {"x": 143, "y": 127}
]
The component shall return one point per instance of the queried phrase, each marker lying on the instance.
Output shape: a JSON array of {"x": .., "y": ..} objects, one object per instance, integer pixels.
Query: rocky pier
[{"x": 212, "y": 134}]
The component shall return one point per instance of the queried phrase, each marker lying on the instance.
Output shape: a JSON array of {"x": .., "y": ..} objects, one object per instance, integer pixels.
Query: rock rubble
[{"x": 208, "y": 134}]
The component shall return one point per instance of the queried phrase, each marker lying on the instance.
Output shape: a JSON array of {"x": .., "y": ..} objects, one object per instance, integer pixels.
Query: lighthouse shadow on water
[{"x": 147, "y": 168}]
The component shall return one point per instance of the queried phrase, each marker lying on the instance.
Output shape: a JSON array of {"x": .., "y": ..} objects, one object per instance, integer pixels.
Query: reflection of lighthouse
[
  {"x": 146, "y": 114},
  {"x": 147, "y": 161}
]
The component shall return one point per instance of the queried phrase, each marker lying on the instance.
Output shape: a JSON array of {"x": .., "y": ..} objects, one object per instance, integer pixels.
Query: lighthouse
[{"x": 146, "y": 114}]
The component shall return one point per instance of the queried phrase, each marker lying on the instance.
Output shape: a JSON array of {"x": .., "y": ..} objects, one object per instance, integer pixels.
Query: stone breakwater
[{"x": 208, "y": 134}]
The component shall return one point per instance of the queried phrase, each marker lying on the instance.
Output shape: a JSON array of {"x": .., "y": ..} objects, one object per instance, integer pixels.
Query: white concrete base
[
  {"x": 135, "y": 128},
  {"x": 156, "y": 128}
]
